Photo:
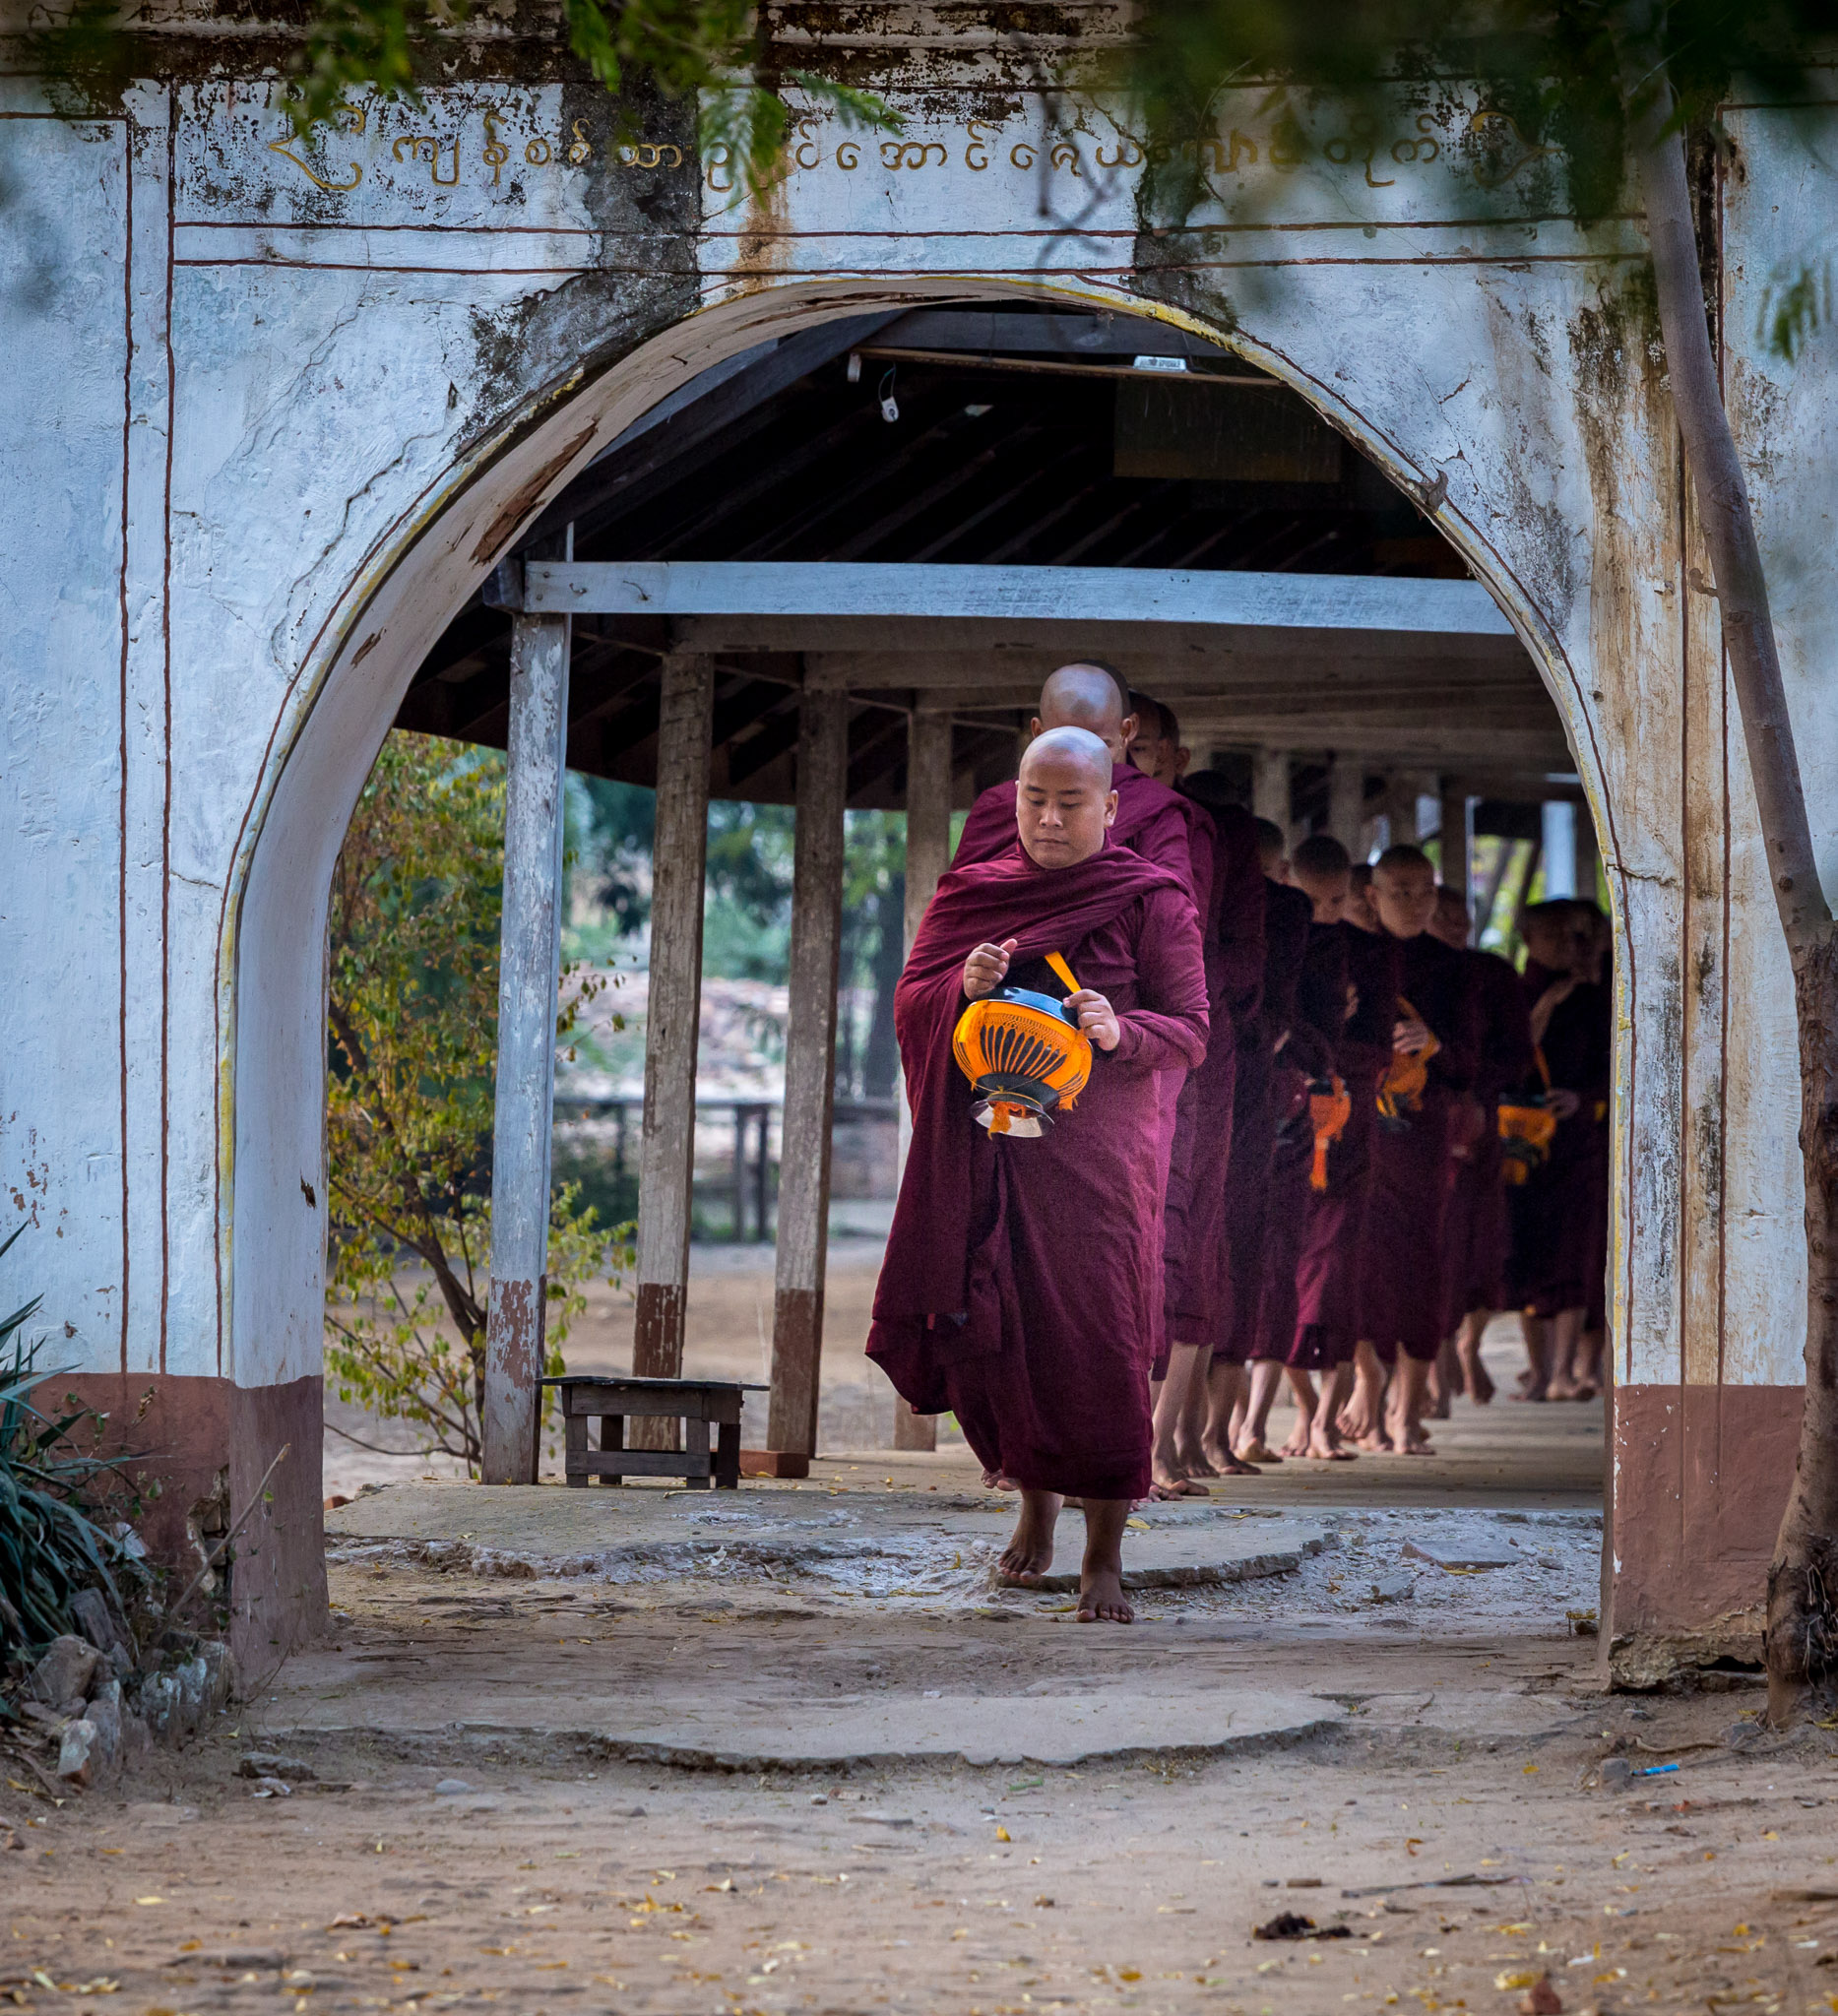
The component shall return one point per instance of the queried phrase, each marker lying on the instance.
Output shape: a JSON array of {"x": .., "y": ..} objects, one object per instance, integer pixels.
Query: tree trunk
[{"x": 1802, "y": 1580}]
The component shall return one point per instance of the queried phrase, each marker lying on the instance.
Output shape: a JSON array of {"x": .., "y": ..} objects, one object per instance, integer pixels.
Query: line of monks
[{"x": 1322, "y": 1141}]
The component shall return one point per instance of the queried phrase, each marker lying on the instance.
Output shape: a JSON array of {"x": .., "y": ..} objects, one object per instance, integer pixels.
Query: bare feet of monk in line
[
  {"x": 1191, "y": 1459},
  {"x": 1100, "y": 1577},
  {"x": 1475, "y": 1377},
  {"x": 1030, "y": 1554},
  {"x": 1224, "y": 1463},
  {"x": 992, "y": 1481}
]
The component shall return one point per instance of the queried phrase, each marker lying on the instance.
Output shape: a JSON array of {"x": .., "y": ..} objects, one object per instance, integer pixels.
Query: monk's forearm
[{"x": 1147, "y": 1042}]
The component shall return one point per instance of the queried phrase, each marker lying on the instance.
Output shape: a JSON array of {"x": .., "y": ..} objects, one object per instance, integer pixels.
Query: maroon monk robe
[
  {"x": 1555, "y": 1240},
  {"x": 1287, "y": 914},
  {"x": 1194, "y": 1268},
  {"x": 1327, "y": 1273},
  {"x": 1022, "y": 1285},
  {"x": 1174, "y": 833},
  {"x": 1476, "y": 1233},
  {"x": 1307, "y": 1058},
  {"x": 1601, "y": 1180},
  {"x": 1401, "y": 1250}
]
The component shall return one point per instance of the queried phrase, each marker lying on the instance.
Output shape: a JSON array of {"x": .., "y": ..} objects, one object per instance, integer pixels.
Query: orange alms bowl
[{"x": 1025, "y": 1059}]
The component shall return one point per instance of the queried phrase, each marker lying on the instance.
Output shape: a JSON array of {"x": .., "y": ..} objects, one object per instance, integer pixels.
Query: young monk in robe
[
  {"x": 1402, "y": 1257},
  {"x": 1596, "y": 956},
  {"x": 1287, "y": 912},
  {"x": 1151, "y": 819},
  {"x": 1022, "y": 1284},
  {"x": 1477, "y": 1237},
  {"x": 1372, "y": 950},
  {"x": 1194, "y": 1272},
  {"x": 1552, "y": 1238},
  {"x": 1305, "y": 1075}
]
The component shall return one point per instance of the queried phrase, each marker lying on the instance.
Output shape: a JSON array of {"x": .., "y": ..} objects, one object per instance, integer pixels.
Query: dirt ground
[
  {"x": 543, "y": 1873},
  {"x": 475, "y": 1833}
]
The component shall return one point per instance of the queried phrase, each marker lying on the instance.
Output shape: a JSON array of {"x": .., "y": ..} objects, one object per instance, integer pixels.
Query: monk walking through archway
[{"x": 1022, "y": 1287}]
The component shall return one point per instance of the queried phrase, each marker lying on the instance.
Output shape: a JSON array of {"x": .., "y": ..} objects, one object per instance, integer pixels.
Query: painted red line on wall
[
  {"x": 121, "y": 882},
  {"x": 166, "y": 826}
]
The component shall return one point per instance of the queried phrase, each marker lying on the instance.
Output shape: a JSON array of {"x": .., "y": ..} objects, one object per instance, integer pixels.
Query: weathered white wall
[{"x": 371, "y": 387}]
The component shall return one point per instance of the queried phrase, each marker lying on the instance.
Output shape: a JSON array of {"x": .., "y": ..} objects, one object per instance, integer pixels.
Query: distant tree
[
  {"x": 413, "y": 1008},
  {"x": 1616, "y": 87}
]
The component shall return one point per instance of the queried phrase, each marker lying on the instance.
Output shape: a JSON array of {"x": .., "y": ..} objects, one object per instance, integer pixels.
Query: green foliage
[
  {"x": 51, "y": 1549},
  {"x": 413, "y": 1003}
]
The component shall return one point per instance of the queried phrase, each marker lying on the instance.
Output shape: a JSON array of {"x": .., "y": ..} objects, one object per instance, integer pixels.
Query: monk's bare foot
[
  {"x": 1298, "y": 1444},
  {"x": 1191, "y": 1459},
  {"x": 1256, "y": 1452},
  {"x": 1101, "y": 1600},
  {"x": 1582, "y": 1390},
  {"x": 1030, "y": 1554},
  {"x": 1225, "y": 1463},
  {"x": 1478, "y": 1380},
  {"x": 1324, "y": 1449},
  {"x": 1180, "y": 1487},
  {"x": 993, "y": 1481}
]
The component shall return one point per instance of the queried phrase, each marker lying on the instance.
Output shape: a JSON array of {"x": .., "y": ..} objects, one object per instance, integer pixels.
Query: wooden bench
[{"x": 696, "y": 1402}]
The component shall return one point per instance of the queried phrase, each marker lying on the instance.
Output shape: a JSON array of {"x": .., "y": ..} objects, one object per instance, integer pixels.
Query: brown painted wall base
[
  {"x": 190, "y": 1448},
  {"x": 1698, "y": 1479}
]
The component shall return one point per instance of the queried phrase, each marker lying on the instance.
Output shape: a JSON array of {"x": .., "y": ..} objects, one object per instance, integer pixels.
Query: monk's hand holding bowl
[
  {"x": 1096, "y": 1018},
  {"x": 987, "y": 968},
  {"x": 1409, "y": 1037}
]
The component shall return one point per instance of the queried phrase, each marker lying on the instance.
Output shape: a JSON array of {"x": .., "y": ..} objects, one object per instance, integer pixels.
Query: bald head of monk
[
  {"x": 1090, "y": 697},
  {"x": 1064, "y": 800},
  {"x": 1156, "y": 751},
  {"x": 1451, "y": 922},
  {"x": 1551, "y": 935},
  {"x": 1271, "y": 855},
  {"x": 1404, "y": 891},
  {"x": 1318, "y": 867}
]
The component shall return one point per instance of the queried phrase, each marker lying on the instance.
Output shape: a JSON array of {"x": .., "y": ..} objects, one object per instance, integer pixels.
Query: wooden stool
[{"x": 693, "y": 1401}]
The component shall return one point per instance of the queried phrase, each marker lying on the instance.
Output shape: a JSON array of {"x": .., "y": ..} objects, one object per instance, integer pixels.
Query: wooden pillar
[
  {"x": 1269, "y": 787},
  {"x": 809, "y": 1073},
  {"x": 928, "y": 854},
  {"x": 529, "y": 962},
  {"x": 667, "y": 1135},
  {"x": 1346, "y": 802},
  {"x": 1457, "y": 837}
]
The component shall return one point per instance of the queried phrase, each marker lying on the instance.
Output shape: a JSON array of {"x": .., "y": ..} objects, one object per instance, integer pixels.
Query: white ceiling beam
[{"x": 1021, "y": 601}]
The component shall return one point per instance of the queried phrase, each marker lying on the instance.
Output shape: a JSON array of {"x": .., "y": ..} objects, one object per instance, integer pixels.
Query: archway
[{"x": 391, "y": 614}]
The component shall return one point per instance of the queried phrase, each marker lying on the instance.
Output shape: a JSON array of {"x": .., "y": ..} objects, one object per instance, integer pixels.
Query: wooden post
[
  {"x": 1346, "y": 802},
  {"x": 1457, "y": 836},
  {"x": 809, "y": 1073},
  {"x": 667, "y": 1135},
  {"x": 1269, "y": 787},
  {"x": 928, "y": 854},
  {"x": 529, "y": 962}
]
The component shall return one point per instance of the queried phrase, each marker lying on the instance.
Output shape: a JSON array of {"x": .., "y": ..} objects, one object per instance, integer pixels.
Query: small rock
[
  {"x": 270, "y": 1764},
  {"x": 1640, "y": 1715},
  {"x": 450, "y": 1788},
  {"x": 1394, "y": 1587},
  {"x": 1541, "y": 1999},
  {"x": 272, "y": 1788},
  {"x": 66, "y": 1671},
  {"x": 90, "y": 1607},
  {"x": 1462, "y": 1560},
  {"x": 337, "y": 1499},
  {"x": 1616, "y": 1772},
  {"x": 76, "y": 1758},
  {"x": 105, "y": 1714}
]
